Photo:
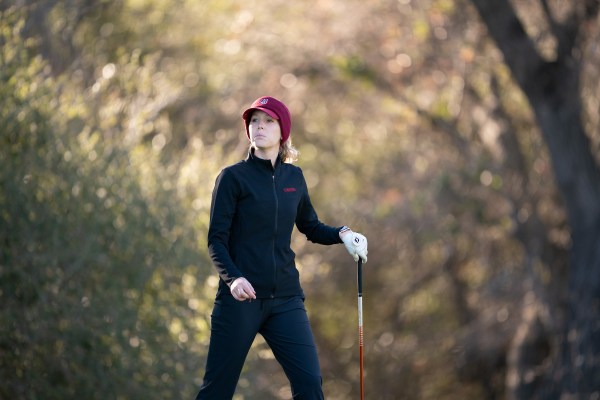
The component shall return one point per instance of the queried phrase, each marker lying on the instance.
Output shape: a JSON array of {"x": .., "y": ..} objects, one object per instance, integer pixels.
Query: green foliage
[
  {"x": 352, "y": 67},
  {"x": 94, "y": 248}
]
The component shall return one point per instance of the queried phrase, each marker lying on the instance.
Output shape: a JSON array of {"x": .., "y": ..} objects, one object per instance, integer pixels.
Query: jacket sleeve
[
  {"x": 308, "y": 222},
  {"x": 222, "y": 212}
]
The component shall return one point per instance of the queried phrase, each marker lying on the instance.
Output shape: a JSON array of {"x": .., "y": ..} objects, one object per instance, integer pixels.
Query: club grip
[{"x": 359, "y": 275}]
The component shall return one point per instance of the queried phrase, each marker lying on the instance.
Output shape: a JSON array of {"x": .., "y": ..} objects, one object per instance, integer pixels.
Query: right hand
[{"x": 242, "y": 290}]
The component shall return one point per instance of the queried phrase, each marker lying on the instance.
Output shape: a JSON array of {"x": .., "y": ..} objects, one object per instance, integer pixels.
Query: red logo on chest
[{"x": 288, "y": 190}]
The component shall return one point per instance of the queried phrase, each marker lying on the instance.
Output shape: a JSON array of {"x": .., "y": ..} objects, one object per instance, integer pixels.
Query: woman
[{"x": 255, "y": 205}]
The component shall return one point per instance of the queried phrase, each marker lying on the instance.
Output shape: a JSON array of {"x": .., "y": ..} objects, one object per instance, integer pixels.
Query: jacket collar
[{"x": 253, "y": 159}]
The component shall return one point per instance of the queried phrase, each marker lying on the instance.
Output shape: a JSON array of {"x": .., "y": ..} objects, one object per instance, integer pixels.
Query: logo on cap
[{"x": 264, "y": 101}]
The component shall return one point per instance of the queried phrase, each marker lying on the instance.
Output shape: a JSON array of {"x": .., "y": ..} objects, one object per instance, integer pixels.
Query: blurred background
[{"x": 461, "y": 137}]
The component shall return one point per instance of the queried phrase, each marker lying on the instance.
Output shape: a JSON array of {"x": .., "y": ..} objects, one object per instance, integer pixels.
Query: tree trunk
[{"x": 553, "y": 90}]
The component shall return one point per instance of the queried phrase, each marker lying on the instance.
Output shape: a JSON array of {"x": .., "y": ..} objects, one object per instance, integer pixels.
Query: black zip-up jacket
[{"x": 253, "y": 212}]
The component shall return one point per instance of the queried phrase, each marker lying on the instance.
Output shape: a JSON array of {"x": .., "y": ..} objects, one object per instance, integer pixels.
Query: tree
[{"x": 553, "y": 87}]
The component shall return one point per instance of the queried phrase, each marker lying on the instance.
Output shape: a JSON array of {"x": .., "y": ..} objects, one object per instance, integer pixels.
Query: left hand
[{"x": 355, "y": 243}]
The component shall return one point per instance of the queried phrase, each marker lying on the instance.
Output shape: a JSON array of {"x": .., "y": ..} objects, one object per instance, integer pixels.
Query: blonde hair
[{"x": 288, "y": 152}]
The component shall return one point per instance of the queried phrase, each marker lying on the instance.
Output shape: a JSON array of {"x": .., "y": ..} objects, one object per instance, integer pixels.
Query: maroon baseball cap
[{"x": 275, "y": 109}]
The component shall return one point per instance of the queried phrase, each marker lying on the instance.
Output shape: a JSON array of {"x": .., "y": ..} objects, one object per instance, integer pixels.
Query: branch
[
  {"x": 565, "y": 33},
  {"x": 520, "y": 53}
]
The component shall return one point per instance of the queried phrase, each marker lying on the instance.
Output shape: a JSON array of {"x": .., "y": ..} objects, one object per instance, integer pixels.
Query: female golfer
[{"x": 255, "y": 205}]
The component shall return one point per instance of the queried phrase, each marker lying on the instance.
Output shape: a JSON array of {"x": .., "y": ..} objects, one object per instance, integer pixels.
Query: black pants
[{"x": 283, "y": 323}]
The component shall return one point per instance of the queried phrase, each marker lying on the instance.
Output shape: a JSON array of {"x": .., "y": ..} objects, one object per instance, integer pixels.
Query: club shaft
[
  {"x": 360, "y": 347},
  {"x": 360, "y": 329}
]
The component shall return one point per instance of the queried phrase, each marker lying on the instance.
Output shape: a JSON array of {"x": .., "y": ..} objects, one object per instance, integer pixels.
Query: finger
[
  {"x": 238, "y": 293},
  {"x": 363, "y": 255},
  {"x": 244, "y": 290},
  {"x": 251, "y": 293}
]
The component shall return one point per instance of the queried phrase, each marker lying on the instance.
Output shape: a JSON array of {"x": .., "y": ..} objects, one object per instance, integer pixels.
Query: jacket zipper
[{"x": 274, "y": 237}]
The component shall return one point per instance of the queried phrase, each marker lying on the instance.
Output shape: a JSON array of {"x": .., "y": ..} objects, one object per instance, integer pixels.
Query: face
[{"x": 265, "y": 132}]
